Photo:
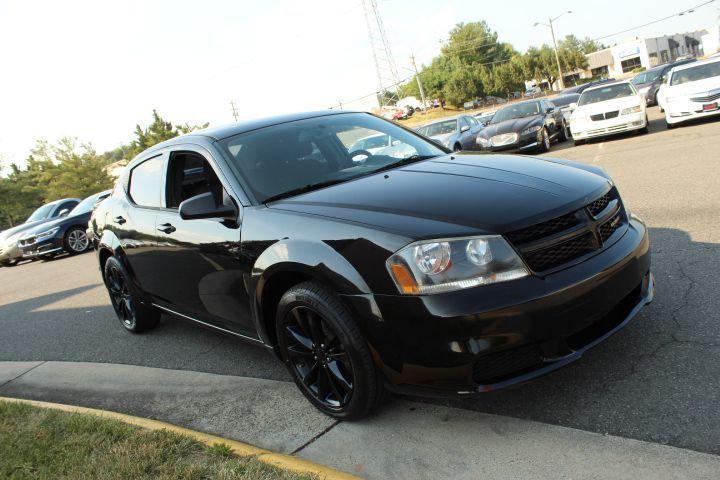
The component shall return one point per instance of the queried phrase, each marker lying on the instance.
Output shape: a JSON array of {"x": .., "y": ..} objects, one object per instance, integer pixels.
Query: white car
[
  {"x": 372, "y": 143},
  {"x": 608, "y": 109},
  {"x": 692, "y": 91}
]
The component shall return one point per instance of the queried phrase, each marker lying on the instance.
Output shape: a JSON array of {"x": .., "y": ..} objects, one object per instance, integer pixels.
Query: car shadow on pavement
[{"x": 655, "y": 380}]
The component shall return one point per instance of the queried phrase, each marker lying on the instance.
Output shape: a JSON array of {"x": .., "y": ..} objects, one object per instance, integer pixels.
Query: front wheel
[
  {"x": 327, "y": 356},
  {"x": 544, "y": 141},
  {"x": 76, "y": 241},
  {"x": 562, "y": 134},
  {"x": 457, "y": 147},
  {"x": 133, "y": 315}
]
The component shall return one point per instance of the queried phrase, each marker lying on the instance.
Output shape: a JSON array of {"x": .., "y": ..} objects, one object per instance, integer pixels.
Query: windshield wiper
[
  {"x": 307, "y": 188},
  {"x": 405, "y": 161}
]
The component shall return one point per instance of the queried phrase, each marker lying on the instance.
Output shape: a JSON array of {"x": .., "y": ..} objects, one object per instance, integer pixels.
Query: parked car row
[{"x": 54, "y": 228}]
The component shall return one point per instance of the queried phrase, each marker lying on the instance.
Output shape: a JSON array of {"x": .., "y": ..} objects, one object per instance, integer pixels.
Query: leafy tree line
[
  {"x": 71, "y": 169},
  {"x": 475, "y": 64}
]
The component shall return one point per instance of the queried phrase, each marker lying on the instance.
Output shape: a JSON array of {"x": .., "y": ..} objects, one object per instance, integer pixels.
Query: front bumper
[
  {"x": 10, "y": 252},
  {"x": 492, "y": 337},
  {"x": 682, "y": 112},
  {"x": 46, "y": 246},
  {"x": 586, "y": 129}
]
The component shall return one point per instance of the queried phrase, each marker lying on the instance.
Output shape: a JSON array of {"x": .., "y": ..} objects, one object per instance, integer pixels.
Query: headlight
[
  {"x": 627, "y": 111},
  {"x": 483, "y": 142},
  {"x": 530, "y": 130},
  {"x": 48, "y": 233},
  {"x": 436, "y": 266}
]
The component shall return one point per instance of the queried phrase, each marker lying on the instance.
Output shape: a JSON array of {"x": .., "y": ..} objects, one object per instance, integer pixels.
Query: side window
[
  {"x": 145, "y": 182},
  {"x": 189, "y": 174},
  {"x": 69, "y": 205},
  {"x": 464, "y": 122}
]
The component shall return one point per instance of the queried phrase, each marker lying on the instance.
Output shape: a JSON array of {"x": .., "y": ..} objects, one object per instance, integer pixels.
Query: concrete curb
[{"x": 287, "y": 462}]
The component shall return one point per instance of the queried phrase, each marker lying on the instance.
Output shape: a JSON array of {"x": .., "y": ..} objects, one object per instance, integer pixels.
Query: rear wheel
[
  {"x": 133, "y": 315},
  {"x": 76, "y": 241},
  {"x": 562, "y": 134},
  {"x": 457, "y": 147},
  {"x": 325, "y": 352}
]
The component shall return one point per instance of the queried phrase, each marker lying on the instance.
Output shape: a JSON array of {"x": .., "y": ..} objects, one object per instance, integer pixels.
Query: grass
[{"x": 38, "y": 443}]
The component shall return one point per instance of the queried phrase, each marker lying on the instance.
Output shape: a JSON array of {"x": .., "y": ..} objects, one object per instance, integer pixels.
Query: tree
[
  {"x": 158, "y": 131},
  {"x": 540, "y": 63}
]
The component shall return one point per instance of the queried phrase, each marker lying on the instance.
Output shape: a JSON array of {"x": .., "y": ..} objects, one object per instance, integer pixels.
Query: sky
[{"x": 94, "y": 69}]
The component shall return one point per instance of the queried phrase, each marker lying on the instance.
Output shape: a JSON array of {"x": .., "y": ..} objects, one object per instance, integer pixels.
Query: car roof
[
  {"x": 54, "y": 202},
  {"x": 524, "y": 102}
]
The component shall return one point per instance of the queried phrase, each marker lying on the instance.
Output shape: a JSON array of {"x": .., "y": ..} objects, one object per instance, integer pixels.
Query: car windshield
[
  {"x": 290, "y": 158},
  {"x": 565, "y": 100},
  {"x": 693, "y": 74},
  {"x": 619, "y": 90},
  {"x": 40, "y": 214},
  {"x": 516, "y": 111},
  {"x": 441, "y": 128},
  {"x": 646, "y": 77},
  {"x": 84, "y": 206}
]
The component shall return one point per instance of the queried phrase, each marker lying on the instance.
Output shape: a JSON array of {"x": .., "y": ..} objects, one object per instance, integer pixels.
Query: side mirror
[
  {"x": 549, "y": 110},
  {"x": 204, "y": 206},
  {"x": 464, "y": 129},
  {"x": 64, "y": 212}
]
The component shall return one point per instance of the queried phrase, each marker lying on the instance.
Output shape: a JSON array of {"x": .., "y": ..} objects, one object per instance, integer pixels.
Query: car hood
[
  {"x": 19, "y": 229},
  {"x": 54, "y": 222},
  {"x": 608, "y": 105},
  {"x": 516, "y": 125},
  {"x": 456, "y": 195}
]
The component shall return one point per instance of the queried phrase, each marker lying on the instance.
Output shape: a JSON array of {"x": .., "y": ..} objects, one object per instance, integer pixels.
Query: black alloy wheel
[
  {"x": 325, "y": 352},
  {"x": 133, "y": 315},
  {"x": 544, "y": 141},
  {"x": 318, "y": 357},
  {"x": 457, "y": 147},
  {"x": 562, "y": 134}
]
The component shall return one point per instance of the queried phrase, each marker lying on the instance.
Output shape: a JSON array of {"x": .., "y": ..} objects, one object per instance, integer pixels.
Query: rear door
[
  {"x": 133, "y": 221},
  {"x": 202, "y": 275}
]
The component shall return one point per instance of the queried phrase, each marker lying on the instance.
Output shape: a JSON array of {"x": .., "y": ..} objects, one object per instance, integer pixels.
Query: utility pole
[
  {"x": 234, "y": 111},
  {"x": 561, "y": 83},
  {"x": 387, "y": 75},
  {"x": 417, "y": 77}
]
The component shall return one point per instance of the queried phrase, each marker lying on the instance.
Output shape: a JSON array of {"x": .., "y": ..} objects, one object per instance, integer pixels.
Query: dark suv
[{"x": 422, "y": 272}]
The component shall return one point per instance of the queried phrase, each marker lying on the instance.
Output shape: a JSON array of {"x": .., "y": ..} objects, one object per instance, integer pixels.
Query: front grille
[
  {"x": 27, "y": 241},
  {"x": 599, "y": 205},
  {"x": 546, "y": 229},
  {"x": 604, "y": 116},
  {"x": 560, "y": 253},
  {"x": 711, "y": 97},
  {"x": 559, "y": 241},
  {"x": 496, "y": 366}
]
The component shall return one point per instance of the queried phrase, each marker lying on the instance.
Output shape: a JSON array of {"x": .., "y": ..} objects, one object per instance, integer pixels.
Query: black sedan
[
  {"x": 648, "y": 82},
  {"x": 431, "y": 274},
  {"x": 65, "y": 234},
  {"x": 529, "y": 126}
]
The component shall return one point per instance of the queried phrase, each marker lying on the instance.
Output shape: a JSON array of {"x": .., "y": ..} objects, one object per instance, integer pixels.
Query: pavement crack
[
  {"x": 23, "y": 373},
  {"x": 326, "y": 430}
]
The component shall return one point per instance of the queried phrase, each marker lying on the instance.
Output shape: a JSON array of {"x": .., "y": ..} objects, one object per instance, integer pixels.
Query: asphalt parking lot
[{"x": 658, "y": 380}]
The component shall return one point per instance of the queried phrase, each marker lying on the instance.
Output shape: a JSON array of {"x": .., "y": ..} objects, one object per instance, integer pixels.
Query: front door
[{"x": 202, "y": 275}]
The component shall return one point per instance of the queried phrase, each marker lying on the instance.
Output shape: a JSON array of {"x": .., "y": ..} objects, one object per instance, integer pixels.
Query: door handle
[
  {"x": 119, "y": 220},
  {"x": 166, "y": 228}
]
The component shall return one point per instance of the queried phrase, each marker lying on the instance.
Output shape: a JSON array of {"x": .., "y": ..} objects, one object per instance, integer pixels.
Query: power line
[{"x": 687, "y": 10}]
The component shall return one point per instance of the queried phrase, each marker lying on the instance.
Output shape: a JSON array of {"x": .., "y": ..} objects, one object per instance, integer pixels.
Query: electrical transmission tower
[{"x": 387, "y": 75}]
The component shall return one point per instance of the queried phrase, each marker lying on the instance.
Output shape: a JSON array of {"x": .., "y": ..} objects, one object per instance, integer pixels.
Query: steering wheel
[{"x": 358, "y": 153}]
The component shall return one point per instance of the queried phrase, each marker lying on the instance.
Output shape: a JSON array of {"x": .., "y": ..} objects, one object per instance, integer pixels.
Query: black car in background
[
  {"x": 648, "y": 82},
  {"x": 582, "y": 87},
  {"x": 565, "y": 102},
  {"x": 435, "y": 273},
  {"x": 529, "y": 126},
  {"x": 65, "y": 234}
]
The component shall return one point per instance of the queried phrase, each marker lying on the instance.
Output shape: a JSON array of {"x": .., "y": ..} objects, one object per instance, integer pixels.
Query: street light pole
[{"x": 561, "y": 83}]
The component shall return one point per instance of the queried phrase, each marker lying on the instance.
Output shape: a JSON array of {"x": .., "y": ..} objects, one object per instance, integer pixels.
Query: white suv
[{"x": 692, "y": 91}]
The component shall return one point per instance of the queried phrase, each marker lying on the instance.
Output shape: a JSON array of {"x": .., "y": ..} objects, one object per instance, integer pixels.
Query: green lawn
[{"x": 38, "y": 443}]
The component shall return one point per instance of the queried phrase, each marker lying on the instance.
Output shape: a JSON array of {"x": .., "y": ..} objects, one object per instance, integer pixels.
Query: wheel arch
[{"x": 288, "y": 263}]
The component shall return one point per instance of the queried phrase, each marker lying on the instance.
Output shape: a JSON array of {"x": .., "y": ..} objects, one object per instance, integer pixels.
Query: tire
[
  {"x": 544, "y": 143},
  {"x": 457, "y": 147},
  {"x": 134, "y": 316},
  {"x": 579, "y": 142},
  {"x": 562, "y": 135},
  {"x": 9, "y": 263},
  {"x": 76, "y": 241},
  {"x": 338, "y": 377},
  {"x": 669, "y": 126}
]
